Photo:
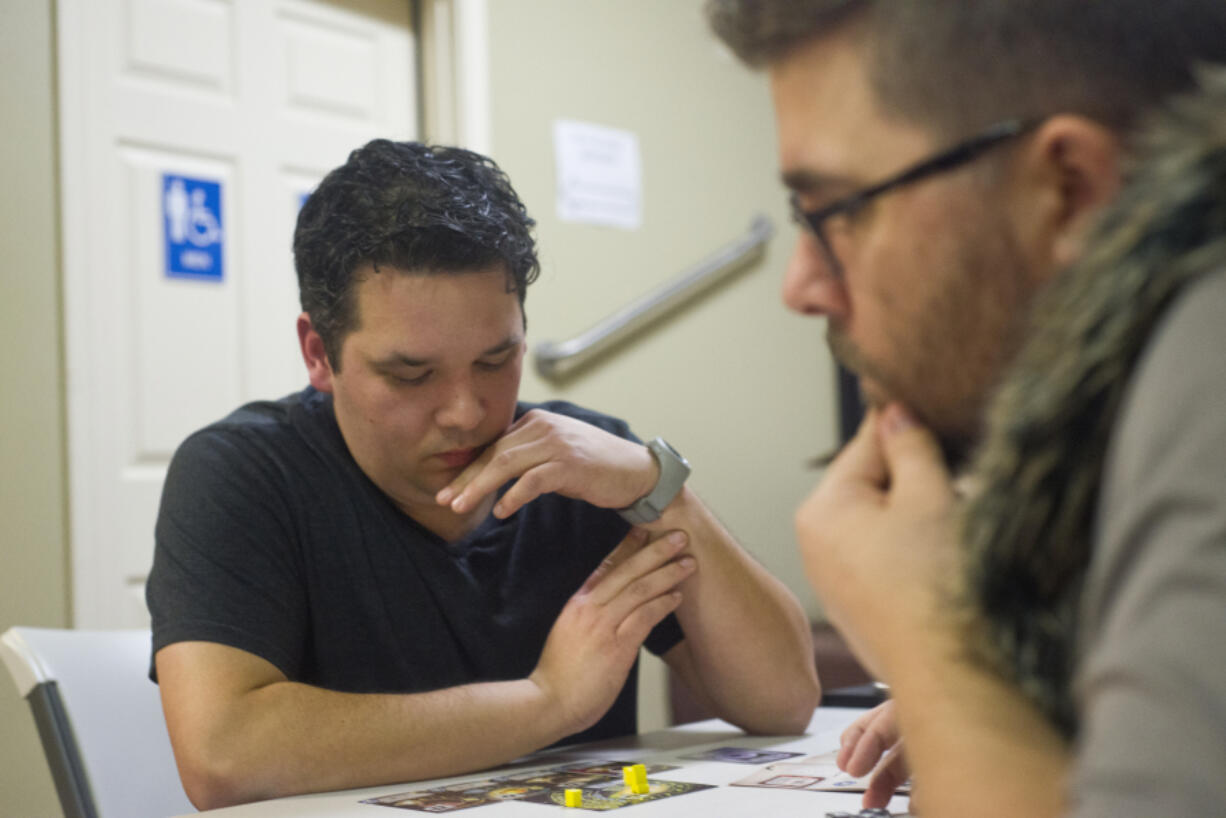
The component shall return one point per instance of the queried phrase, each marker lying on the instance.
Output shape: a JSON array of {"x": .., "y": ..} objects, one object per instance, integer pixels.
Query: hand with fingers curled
[
  {"x": 873, "y": 744},
  {"x": 596, "y": 639},
  {"x": 879, "y": 539},
  {"x": 547, "y": 452}
]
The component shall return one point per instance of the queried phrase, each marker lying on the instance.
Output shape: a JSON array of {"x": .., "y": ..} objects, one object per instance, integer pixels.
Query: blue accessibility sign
[{"x": 192, "y": 225}]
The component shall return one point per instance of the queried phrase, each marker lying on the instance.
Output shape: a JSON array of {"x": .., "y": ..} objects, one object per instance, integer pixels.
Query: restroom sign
[{"x": 192, "y": 226}]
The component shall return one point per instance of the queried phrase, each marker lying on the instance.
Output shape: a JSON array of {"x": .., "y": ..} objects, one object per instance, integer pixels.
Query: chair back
[{"x": 100, "y": 720}]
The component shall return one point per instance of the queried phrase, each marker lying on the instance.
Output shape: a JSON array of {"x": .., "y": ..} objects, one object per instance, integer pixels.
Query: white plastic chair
[{"x": 100, "y": 720}]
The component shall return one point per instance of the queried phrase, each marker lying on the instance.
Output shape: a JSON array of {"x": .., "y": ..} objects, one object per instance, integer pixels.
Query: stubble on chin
[
  {"x": 876, "y": 394},
  {"x": 873, "y": 390}
]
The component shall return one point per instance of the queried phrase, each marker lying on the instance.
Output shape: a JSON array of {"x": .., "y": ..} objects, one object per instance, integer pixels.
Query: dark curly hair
[{"x": 412, "y": 207}]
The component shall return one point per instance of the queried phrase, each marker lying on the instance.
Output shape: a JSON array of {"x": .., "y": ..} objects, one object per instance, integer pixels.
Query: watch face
[{"x": 664, "y": 444}]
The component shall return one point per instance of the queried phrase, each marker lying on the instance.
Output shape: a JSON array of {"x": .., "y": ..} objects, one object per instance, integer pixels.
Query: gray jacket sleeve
[{"x": 1150, "y": 682}]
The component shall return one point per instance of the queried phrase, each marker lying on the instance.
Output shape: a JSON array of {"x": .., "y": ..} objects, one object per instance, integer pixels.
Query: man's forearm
[
  {"x": 976, "y": 746},
  {"x": 287, "y": 738},
  {"x": 747, "y": 636}
]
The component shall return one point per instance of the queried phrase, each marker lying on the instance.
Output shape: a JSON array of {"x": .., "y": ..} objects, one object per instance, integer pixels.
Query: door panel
[{"x": 255, "y": 100}]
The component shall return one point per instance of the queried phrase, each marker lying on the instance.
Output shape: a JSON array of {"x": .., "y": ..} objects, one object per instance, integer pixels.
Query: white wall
[{"x": 33, "y": 499}]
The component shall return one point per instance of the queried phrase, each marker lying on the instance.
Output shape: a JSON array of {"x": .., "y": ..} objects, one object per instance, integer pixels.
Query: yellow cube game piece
[
  {"x": 574, "y": 798},
  {"x": 638, "y": 784}
]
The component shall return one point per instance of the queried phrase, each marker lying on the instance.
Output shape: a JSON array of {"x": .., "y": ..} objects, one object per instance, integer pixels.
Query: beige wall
[
  {"x": 33, "y": 521},
  {"x": 740, "y": 386}
]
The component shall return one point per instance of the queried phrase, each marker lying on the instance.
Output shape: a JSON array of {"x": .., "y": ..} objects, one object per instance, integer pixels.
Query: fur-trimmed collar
[{"x": 1029, "y": 531}]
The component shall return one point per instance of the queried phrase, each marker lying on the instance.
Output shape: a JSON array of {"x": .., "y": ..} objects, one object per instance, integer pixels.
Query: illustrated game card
[
  {"x": 741, "y": 755},
  {"x": 823, "y": 776},
  {"x": 598, "y": 777},
  {"x": 785, "y": 777},
  {"x": 450, "y": 799},
  {"x": 612, "y": 769},
  {"x": 612, "y": 794},
  {"x": 486, "y": 791}
]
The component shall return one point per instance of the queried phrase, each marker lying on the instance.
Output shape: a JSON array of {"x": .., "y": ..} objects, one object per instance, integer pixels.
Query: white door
[{"x": 191, "y": 131}]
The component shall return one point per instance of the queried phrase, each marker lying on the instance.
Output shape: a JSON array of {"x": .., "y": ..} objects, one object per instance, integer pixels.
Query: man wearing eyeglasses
[{"x": 1054, "y": 641}]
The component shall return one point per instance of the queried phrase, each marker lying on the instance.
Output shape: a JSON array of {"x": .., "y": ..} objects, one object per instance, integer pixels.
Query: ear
[
  {"x": 1073, "y": 166},
  {"x": 319, "y": 369}
]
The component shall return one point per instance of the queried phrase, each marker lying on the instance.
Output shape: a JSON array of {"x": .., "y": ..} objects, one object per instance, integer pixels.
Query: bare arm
[
  {"x": 241, "y": 731},
  {"x": 748, "y": 650},
  {"x": 880, "y": 546},
  {"x": 976, "y": 746}
]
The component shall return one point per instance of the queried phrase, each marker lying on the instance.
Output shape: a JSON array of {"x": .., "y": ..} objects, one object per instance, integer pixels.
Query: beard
[
  {"x": 877, "y": 392},
  {"x": 945, "y": 357}
]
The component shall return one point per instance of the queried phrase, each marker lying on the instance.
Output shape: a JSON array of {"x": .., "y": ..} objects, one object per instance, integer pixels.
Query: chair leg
[{"x": 55, "y": 730}]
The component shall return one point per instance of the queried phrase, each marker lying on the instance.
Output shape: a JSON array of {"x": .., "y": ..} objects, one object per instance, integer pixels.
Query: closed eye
[
  {"x": 415, "y": 380},
  {"x": 497, "y": 361}
]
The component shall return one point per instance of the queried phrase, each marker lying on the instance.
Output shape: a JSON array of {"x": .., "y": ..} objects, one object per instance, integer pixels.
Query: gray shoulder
[
  {"x": 1177, "y": 392},
  {"x": 1152, "y": 633}
]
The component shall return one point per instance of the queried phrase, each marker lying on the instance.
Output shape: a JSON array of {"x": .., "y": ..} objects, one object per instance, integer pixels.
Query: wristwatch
[{"x": 673, "y": 470}]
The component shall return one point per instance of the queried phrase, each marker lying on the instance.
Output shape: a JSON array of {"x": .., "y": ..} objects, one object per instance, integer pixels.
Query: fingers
[
  {"x": 915, "y": 461},
  {"x": 866, "y": 740},
  {"x": 872, "y": 743},
  {"x": 533, "y": 483},
  {"x": 851, "y": 736},
  {"x": 890, "y": 774},
  {"x": 449, "y": 494},
  {"x": 638, "y": 624},
  {"x": 634, "y": 540},
  {"x": 506, "y": 459},
  {"x": 641, "y": 568},
  {"x": 861, "y": 459}
]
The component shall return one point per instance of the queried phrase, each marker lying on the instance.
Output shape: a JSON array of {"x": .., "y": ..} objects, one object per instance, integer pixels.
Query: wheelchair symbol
[{"x": 188, "y": 216}]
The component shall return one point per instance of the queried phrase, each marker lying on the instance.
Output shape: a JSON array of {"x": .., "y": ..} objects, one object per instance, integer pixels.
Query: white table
[{"x": 662, "y": 746}]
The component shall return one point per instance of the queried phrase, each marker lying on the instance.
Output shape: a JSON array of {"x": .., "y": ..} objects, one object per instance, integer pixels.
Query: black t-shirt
[{"x": 271, "y": 539}]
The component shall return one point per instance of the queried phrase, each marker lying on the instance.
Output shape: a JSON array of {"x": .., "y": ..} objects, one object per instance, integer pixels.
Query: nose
[
  {"x": 462, "y": 407},
  {"x": 810, "y": 287}
]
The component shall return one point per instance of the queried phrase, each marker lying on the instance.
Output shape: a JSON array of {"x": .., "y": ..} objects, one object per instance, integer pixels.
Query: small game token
[{"x": 574, "y": 798}]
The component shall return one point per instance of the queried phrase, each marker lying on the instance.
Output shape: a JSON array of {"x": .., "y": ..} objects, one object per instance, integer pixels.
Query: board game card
[
  {"x": 741, "y": 755},
  {"x": 842, "y": 782},
  {"x": 785, "y": 777},
  {"x": 804, "y": 775},
  {"x": 462, "y": 796},
  {"x": 612, "y": 769},
  {"x": 612, "y": 794}
]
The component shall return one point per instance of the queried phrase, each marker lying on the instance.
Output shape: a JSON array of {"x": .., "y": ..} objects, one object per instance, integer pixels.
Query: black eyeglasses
[{"x": 816, "y": 220}]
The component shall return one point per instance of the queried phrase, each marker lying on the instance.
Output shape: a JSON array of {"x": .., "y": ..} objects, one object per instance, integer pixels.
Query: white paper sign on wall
[{"x": 599, "y": 174}]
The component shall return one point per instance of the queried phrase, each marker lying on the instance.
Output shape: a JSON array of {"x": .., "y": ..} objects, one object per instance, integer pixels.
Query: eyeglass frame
[{"x": 960, "y": 154}]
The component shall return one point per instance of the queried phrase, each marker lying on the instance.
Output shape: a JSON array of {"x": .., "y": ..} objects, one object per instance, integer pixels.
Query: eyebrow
[
  {"x": 810, "y": 181},
  {"x": 397, "y": 359}
]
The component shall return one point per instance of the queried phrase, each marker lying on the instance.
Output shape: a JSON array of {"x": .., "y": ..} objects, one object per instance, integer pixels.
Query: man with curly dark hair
[{"x": 401, "y": 572}]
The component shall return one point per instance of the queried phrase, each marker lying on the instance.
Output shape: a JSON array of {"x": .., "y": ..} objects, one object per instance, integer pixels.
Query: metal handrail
[{"x": 556, "y": 360}]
